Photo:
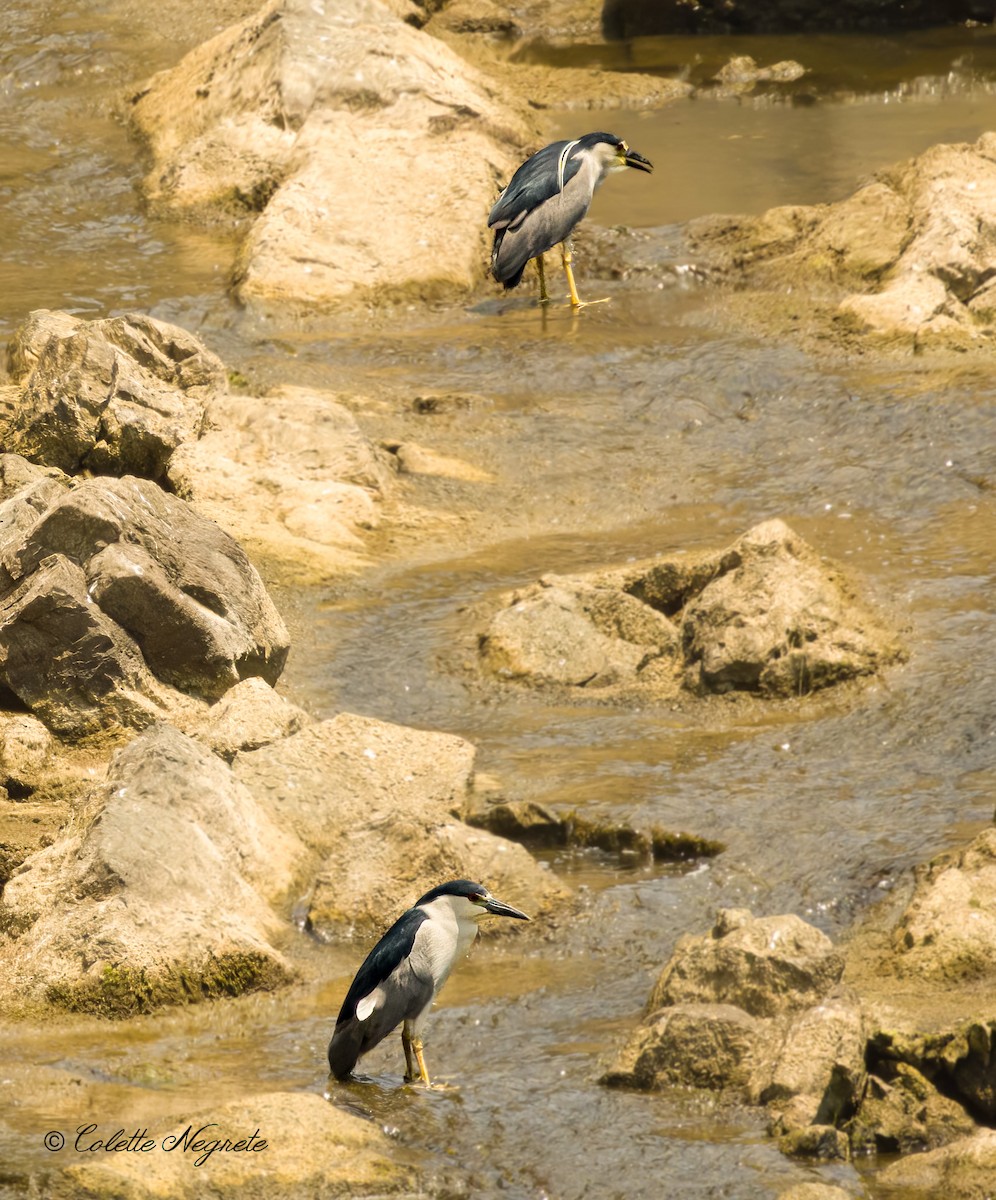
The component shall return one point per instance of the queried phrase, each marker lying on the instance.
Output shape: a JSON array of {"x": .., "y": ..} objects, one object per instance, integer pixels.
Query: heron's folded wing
[{"x": 539, "y": 178}]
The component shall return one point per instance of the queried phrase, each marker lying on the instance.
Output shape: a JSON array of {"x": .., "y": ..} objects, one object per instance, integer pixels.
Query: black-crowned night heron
[
  {"x": 402, "y": 974},
  {"x": 546, "y": 198}
]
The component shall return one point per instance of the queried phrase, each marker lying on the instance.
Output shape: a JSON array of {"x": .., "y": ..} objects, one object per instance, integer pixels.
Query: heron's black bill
[
  {"x": 498, "y": 908},
  {"x": 637, "y": 160}
]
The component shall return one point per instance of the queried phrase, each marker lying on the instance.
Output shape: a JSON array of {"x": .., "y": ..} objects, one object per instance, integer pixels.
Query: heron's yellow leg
[
  {"x": 568, "y": 258},
  {"x": 544, "y": 294},
  {"x": 414, "y": 1054}
]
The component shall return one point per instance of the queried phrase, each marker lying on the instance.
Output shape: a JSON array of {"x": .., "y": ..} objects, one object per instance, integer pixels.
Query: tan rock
[
  {"x": 275, "y": 1146},
  {"x": 326, "y": 119},
  {"x": 948, "y": 931},
  {"x": 962, "y": 1171},
  {"x": 764, "y": 965},
  {"x": 158, "y": 893}
]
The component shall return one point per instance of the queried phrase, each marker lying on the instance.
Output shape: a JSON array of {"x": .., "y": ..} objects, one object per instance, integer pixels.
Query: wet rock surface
[
  {"x": 754, "y": 1008},
  {"x": 635, "y": 18}
]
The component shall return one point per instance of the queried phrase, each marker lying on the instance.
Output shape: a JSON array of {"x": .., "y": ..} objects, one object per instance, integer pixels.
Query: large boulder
[
  {"x": 115, "y": 396},
  {"x": 326, "y": 120},
  {"x": 159, "y": 892},
  {"x": 378, "y": 805},
  {"x": 116, "y": 598},
  {"x": 767, "y": 615}
]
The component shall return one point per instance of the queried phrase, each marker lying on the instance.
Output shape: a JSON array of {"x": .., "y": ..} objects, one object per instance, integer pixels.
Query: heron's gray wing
[
  {"x": 384, "y": 993},
  {"x": 539, "y": 178},
  {"x": 538, "y": 230}
]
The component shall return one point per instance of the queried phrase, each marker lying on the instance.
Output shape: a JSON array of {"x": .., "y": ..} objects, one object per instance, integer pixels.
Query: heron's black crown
[{"x": 456, "y": 887}]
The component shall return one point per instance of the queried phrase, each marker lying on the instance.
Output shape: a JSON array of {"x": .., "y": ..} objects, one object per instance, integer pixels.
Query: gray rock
[
  {"x": 566, "y": 631},
  {"x": 766, "y": 615},
  {"x": 159, "y": 592},
  {"x": 115, "y": 396},
  {"x": 74, "y": 667}
]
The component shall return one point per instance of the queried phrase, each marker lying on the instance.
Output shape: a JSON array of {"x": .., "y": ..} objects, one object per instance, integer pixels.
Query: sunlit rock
[
  {"x": 115, "y": 396},
  {"x": 324, "y": 121},
  {"x": 910, "y": 256},
  {"x": 282, "y": 1145},
  {"x": 159, "y": 892},
  {"x": 754, "y": 1008},
  {"x": 767, "y": 616},
  {"x": 962, "y": 1171},
  {"x": 290, "y": 475},
  {"x": 379, "y": 804},
  {"x": 249, "y": 715},
  {"x": 948, "y": 931},
  {"x": 764, "y": 965},
  {"x": 779, "y": 620}
]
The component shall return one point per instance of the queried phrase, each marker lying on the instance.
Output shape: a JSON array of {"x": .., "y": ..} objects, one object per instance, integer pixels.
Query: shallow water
[{"x": 641, "y": 426}]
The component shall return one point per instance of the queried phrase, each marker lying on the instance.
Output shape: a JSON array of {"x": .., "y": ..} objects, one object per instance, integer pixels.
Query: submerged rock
[{"x": 766, "y": 615}]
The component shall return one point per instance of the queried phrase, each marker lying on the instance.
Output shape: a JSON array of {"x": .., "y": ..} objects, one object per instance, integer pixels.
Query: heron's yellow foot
[{"x": 414, "y": 1055}]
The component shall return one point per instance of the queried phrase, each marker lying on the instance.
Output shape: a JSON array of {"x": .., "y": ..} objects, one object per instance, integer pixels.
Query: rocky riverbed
[{"x": 668, "y": 620}]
